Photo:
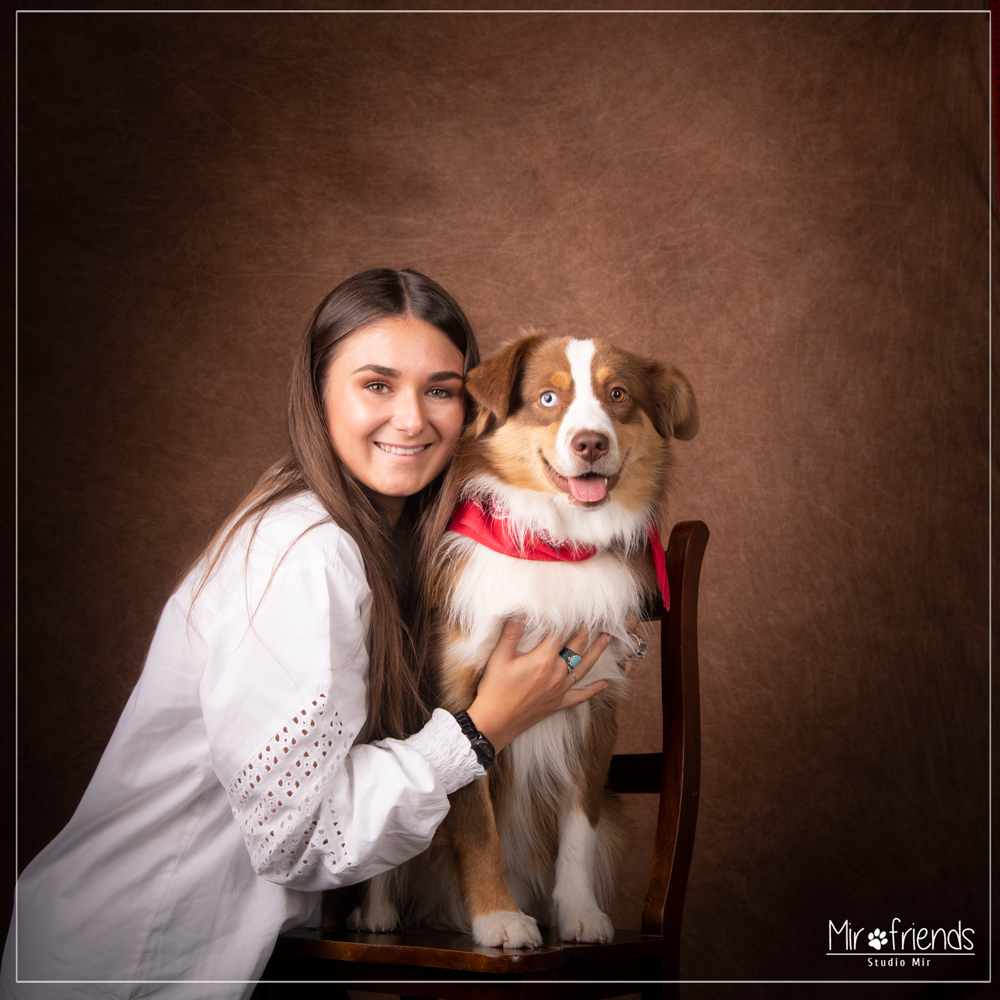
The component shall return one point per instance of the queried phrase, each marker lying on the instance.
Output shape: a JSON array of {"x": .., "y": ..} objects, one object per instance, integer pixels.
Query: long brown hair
[{"x": 398, "y": 689}]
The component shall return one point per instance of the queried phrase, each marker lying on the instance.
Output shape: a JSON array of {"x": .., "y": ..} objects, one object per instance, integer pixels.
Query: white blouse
[{"x": 232, "y": 792}]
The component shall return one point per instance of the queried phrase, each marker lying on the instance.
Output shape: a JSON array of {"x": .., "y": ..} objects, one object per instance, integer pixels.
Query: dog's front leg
[
  {"x": 496, "y": 920},
  {"x": 580, "y": 918}
]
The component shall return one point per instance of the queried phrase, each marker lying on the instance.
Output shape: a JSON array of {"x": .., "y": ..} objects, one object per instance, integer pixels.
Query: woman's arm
[{"x": 283, "y": 698}]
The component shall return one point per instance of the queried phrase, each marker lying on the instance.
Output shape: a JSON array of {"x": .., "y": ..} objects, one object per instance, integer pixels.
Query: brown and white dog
[{"x": 568, "y": 453}]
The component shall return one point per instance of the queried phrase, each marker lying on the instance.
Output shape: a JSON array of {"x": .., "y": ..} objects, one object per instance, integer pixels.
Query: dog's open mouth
[{"x": 589, "y": 488}]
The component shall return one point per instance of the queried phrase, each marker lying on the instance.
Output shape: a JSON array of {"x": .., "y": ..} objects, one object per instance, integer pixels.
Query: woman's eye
[
  {"x": 618, "y": 396},
  {"x": 440, "y": 393},
  {"x": 549, "y": 399},
  {"x": 379, "y": 388}
]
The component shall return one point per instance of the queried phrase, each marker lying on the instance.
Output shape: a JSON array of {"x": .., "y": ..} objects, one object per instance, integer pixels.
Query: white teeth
[
  {"x": 394, "y": 450},
  {"x": 605, "y": 482}
]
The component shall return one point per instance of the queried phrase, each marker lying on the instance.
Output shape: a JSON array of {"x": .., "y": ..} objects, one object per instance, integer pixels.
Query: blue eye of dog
[{"x": 549, "y": 399}]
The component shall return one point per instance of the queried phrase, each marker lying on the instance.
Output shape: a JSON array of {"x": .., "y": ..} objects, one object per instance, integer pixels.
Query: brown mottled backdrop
[{"x": 792, "y": 208}]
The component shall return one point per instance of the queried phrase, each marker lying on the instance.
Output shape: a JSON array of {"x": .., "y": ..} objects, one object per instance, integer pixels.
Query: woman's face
[{"x": 394, "y": 405}]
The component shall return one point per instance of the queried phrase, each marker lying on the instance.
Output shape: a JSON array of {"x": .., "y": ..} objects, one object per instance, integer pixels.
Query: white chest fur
[{"x": 493, "y": 588}]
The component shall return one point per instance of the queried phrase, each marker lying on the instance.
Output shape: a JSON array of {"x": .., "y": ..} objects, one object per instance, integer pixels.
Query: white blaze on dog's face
[
  {"x": 586, "y": 447},
  {"x": 582, "y": 420}
]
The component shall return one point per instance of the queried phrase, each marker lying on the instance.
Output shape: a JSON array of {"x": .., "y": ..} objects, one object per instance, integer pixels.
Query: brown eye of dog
[{"x": 618, "y": 396}]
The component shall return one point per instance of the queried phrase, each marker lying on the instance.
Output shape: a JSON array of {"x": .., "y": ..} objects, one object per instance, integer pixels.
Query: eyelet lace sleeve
[
  {"x": 317, "y": 812},
  {"x": 279, "y": 799}
]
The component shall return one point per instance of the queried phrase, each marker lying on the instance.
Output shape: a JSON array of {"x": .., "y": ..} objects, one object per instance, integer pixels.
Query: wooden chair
[{"x": 450, "y": 965}]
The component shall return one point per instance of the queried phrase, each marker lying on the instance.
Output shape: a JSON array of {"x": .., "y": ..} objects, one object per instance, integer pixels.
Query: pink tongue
[{"x": 588, "y": 488}]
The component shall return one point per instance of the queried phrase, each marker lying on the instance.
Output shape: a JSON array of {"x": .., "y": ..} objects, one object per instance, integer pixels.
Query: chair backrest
[{"x": 676, "y": 772}]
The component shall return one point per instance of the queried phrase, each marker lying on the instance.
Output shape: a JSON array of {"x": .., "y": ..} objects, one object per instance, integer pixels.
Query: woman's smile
[{"x": 398, "y": 449}]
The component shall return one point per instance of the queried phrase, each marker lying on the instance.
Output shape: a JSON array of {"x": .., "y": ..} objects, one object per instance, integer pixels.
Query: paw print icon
[{"x": 876, "y": 939}]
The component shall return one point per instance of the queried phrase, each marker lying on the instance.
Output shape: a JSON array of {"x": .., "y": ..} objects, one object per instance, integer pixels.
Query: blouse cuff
[{"x": 448, "y": 750}]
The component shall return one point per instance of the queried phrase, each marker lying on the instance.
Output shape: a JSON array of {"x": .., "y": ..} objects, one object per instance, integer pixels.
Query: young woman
[{"x": 280, "y": 741}]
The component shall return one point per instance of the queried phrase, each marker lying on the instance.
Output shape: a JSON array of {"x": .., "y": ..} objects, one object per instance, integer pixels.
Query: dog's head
[{"x": 583, "y": 422}]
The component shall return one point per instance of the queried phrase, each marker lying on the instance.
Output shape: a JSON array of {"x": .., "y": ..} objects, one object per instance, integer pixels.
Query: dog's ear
[
  {"x": 492, "y": 383},
  {"x": 675, "y": 408}
]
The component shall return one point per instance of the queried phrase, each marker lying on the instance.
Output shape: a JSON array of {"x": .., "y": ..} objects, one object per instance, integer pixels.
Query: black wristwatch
[{"x": 482, "y": 746}]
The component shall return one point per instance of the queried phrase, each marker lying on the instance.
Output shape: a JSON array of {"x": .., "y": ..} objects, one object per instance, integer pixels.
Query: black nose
[{"x": 589, "y": 445}]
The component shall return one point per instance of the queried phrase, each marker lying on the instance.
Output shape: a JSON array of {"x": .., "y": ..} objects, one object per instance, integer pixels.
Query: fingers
[
  {"x": 578, "y": 641},
  {"x": 579, "y": 694},
  {"x": 592, "y": 655},
  {"x": 547, "y": 651},
  {"x": 510, "y": 637}
]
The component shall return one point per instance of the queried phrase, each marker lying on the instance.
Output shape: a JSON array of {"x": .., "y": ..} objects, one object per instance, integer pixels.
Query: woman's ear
[
  {"x": 491, "y": 383},
  {"x": 676, "y": 410}
]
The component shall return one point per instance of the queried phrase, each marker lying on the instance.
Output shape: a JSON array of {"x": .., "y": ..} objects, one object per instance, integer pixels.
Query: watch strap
[{"x": 480, "y": 744}]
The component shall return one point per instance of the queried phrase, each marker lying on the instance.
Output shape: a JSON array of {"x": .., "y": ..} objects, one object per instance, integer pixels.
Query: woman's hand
[{"x": 518, "y": 690}]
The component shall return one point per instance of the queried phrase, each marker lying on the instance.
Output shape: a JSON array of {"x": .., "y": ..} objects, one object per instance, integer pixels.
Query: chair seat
[
  {"x": 451, "y": 950},
  {"x": 449, "y": 966}
]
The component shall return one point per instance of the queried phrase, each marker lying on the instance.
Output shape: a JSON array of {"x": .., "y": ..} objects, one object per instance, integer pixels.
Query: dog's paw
[
  {"x": 506, "y": 929},
  {"x": 374, "y": 918},
  {"x": 591, "y": 926}
]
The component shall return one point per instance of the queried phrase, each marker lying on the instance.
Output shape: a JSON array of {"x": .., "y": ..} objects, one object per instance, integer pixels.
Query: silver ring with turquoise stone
[{"x": 572, "y": 659}]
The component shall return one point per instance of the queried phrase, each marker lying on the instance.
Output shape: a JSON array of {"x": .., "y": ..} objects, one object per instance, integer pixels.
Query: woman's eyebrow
[
  {"x": 395, "y": 373},
  {"x": 378, "y": 370}
]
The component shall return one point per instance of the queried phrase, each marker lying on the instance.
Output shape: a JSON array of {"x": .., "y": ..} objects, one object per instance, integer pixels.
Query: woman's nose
[{"x": 409, "y": 413}]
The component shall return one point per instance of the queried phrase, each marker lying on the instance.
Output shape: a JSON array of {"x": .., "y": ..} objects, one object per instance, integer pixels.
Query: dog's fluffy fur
[{"x": 531, "y": 841}]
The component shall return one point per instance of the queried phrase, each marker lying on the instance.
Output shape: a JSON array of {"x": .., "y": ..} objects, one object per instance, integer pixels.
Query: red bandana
[{"x": 475, "y": 521}]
